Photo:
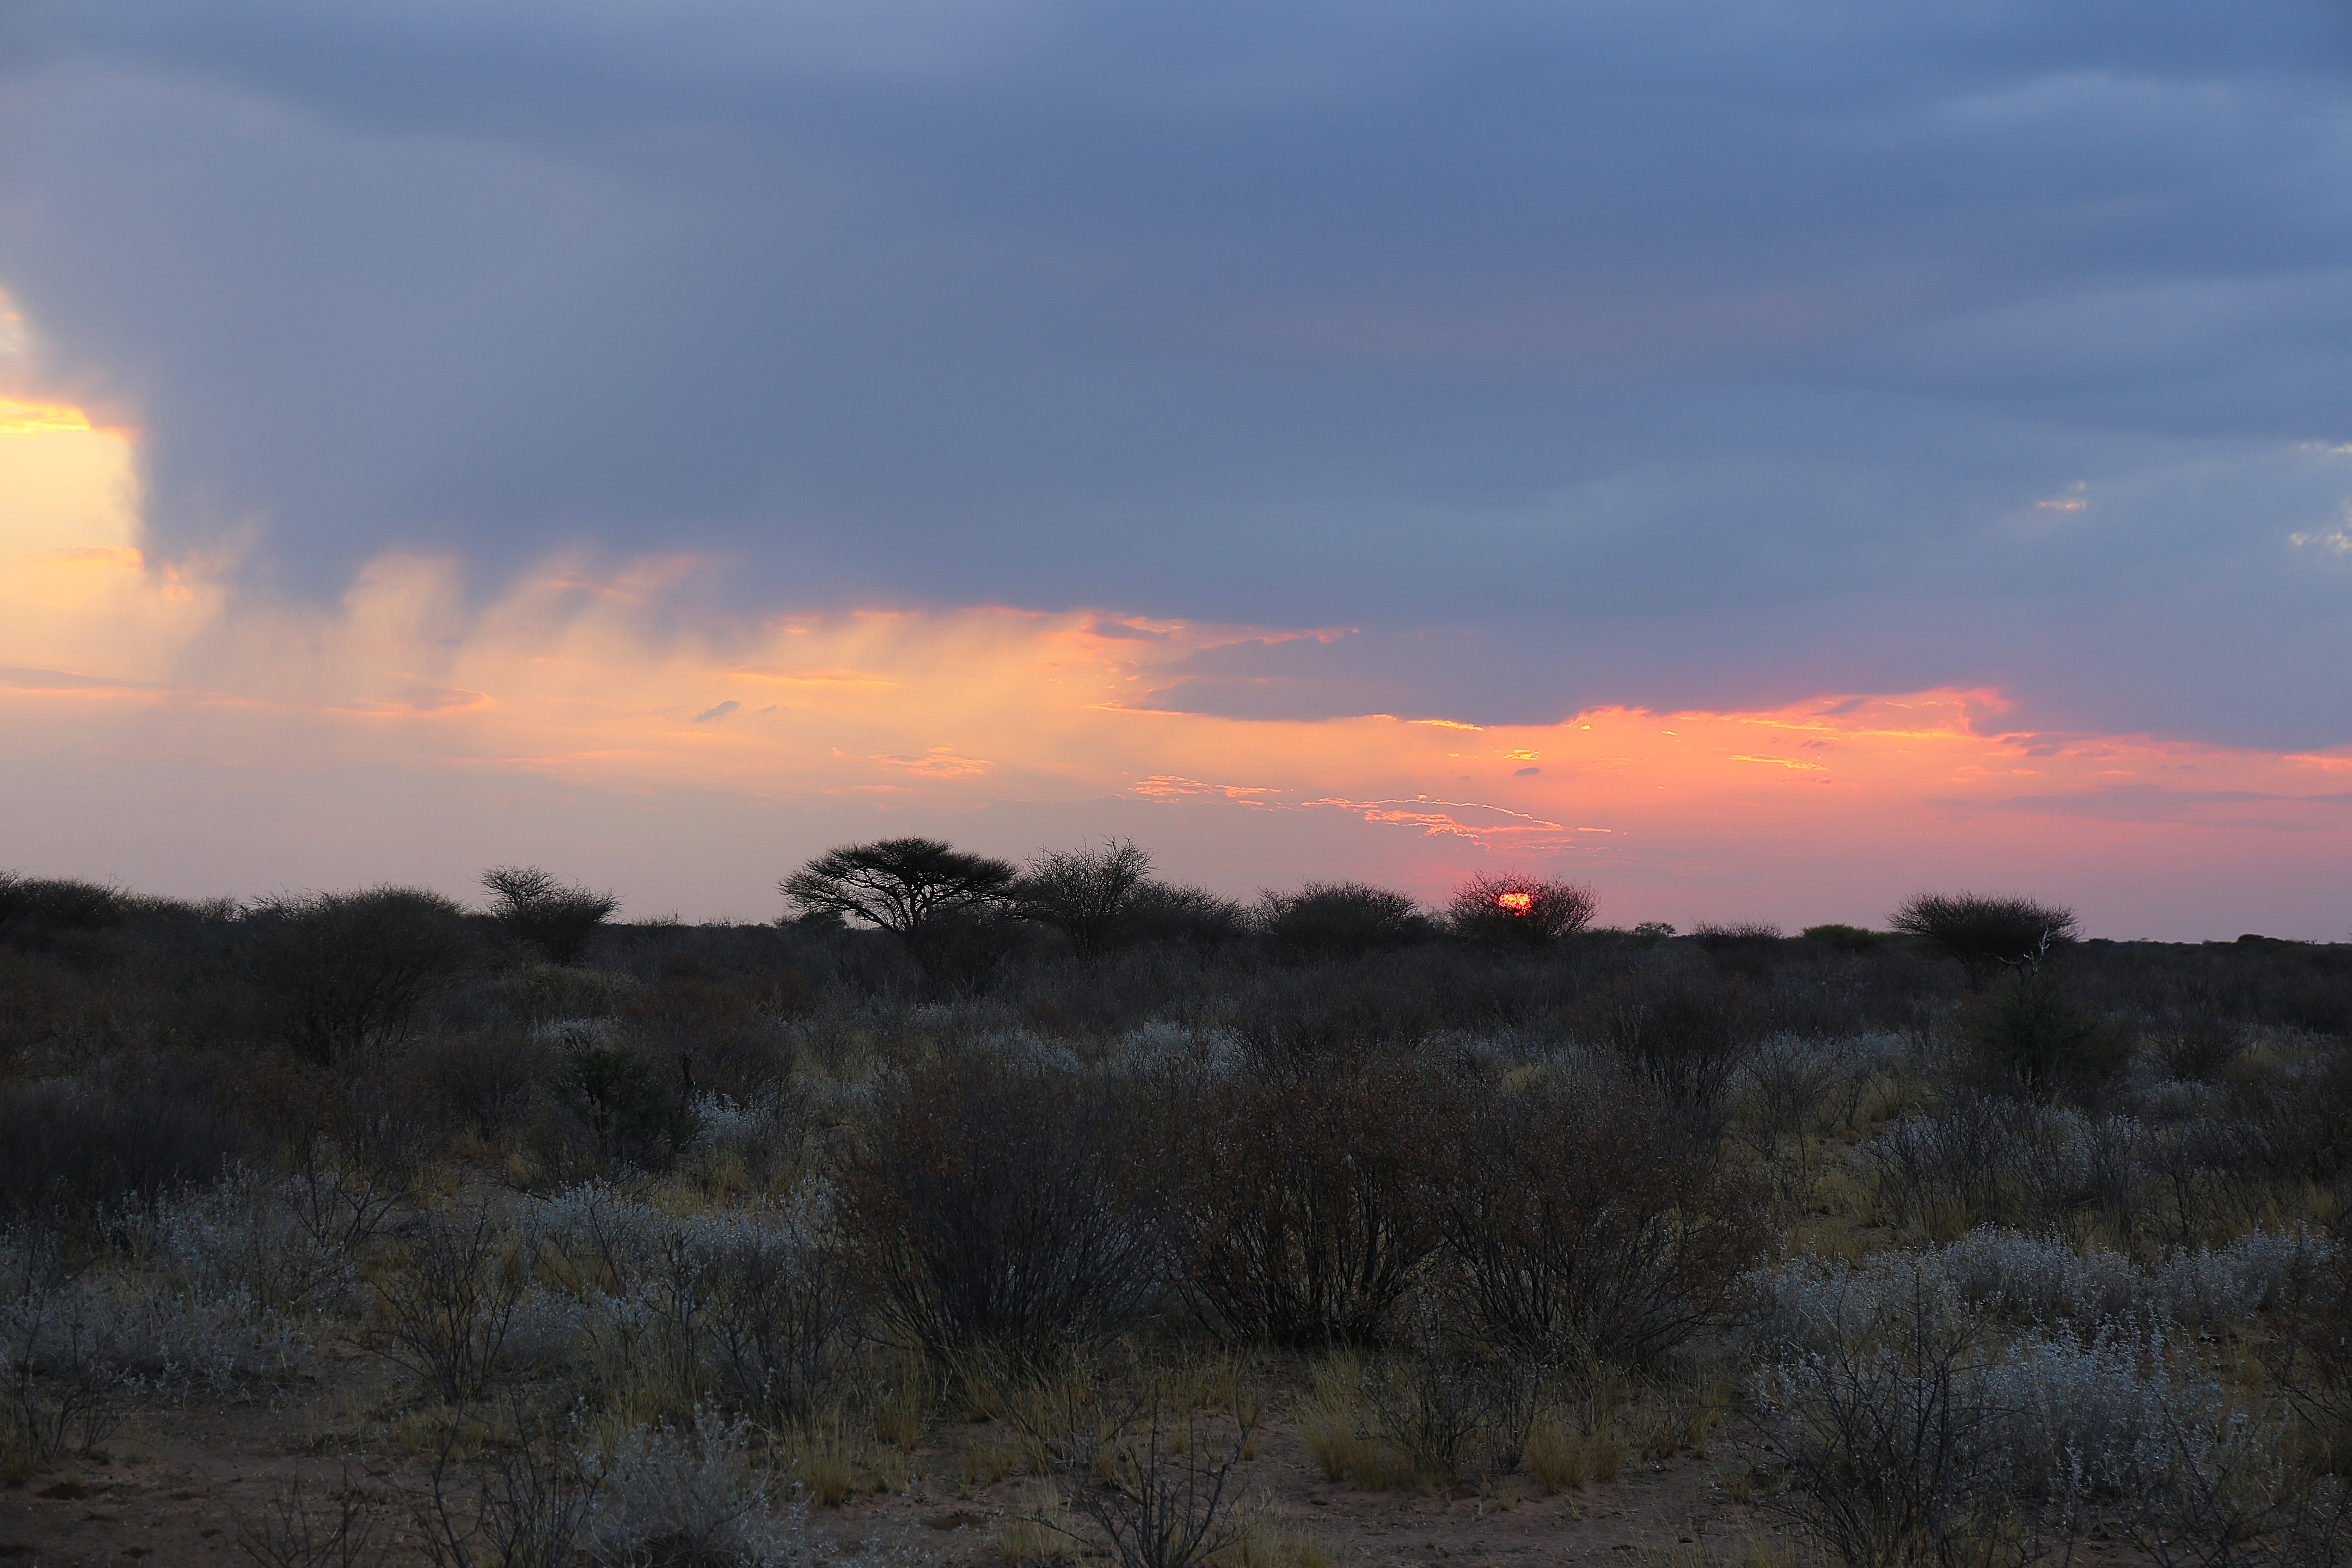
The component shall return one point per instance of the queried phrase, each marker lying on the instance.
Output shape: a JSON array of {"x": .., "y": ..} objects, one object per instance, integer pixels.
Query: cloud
[
  {"x": 720, "y": 711},
  {"x": 1574, "y": 355},
  {"x": 195, "y": 736},
  {"x": 2155, "y": 803}
]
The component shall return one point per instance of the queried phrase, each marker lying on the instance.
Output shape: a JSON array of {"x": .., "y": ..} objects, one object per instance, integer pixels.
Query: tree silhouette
[{"x": 902, "y": 885}]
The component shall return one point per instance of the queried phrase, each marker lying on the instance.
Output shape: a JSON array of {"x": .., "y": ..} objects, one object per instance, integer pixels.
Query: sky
[{"x": 1761, "y": 459}]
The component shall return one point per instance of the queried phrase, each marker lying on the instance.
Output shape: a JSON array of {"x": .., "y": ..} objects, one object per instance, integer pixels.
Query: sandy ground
[{"x": 177, "y": 1483}]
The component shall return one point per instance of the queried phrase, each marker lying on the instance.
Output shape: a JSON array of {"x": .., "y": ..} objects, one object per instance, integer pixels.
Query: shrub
[
  {"x": 746, "y": 1308},
  {"x": 1153, "y": 1488},
  {"x": 1298, "y": 1214},
  {"x": 1845, "y": 938},
  {"x": 1984, "y": 933},
  {"x": 1338, "y": 920},
  {"x": 339, "y": 1531},
  {"x": 1686, "y": 1031},
  {"x": 1747, "y": 949},
  {"x": 1713, "y": 934},
  {"x": 555, "y": 917},
  {"x": 1591, "y": 1224},
  {"x": 633, "y": 1115},
  {"x": 2029, "y": 1035},
  {"x": 81, "y": 1343},
  {"x": 290, "y": 1243},
  {"x": 35, "y": 912},
  {"x": 1883, "y": 1457},
  {"x": 525, "y": 1504},
  {"x": 1520, "y": 911},
  {"x": 345, "y": 973},
  {"x": 1903, "y": 1420},
  {"x": 1085, "y": 894},
  {"x": 692, "y": 1495},
  {"x": 446, "y": 1314},
  {"x": 1191, "y": 917},
  {"x": 1451, "y": 1405},
  {"x": 995, "y": 1210},
  {"x": 75, "y": 1148},
  {"x": 1986, "y": 1161},
  {"x": 963, "y": 954}
]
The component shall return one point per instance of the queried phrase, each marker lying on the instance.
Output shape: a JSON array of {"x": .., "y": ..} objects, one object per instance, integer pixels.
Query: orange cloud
[{"x": 402, "y": 730}]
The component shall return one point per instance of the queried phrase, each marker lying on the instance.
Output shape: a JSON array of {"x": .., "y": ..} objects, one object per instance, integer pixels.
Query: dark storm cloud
[{"x": 1679, "y": 353}]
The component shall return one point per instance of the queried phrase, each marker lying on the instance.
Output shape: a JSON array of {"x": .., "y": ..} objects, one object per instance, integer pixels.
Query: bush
[
  {"x": 446, "y": 1313},
  {"x": 1903, "y": 1418},
  {"x": 1592, "y": 1224},
  {"x": 1986, "y": 1161},
  {"x": 1299, "y": 1211},
  {"x": 1518, "y": 910},
  {"x": 1085, "y": 894},
  {"x": 2030, "y": 1035},
  {"x": 292, "y": 1243},
  {"x": 1338, "y": 919},
  {"x": 1883, "y": 1457},
  {"x": 996, "y": 1210},
  {"x": 1845, "y": 938},
  {"x": 73, "y": 1150},
  {"x": 693, "y": 1495},
  {"x": 1715, "y": 934},
  {"x": 1685, "y": 1031},
  {"x": 1185, "y": 916},
  {"x": 35, "y": 912},
  {"x": 1986, "y": 934},
  {"x": 746, "y": 1309},
  {"x": 964, "y": 954},
  {"x": 634, "y": 1116},
  {"x": 345, "y": 973},
  {"x": 555, "y": 917}
]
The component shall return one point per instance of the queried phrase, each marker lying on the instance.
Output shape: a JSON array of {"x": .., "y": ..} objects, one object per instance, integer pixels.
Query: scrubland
[{"x": 773, "y": 1244}]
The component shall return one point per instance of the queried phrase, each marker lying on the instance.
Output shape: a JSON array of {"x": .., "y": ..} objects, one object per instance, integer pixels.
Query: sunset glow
[{"x": 611, "y": 719}]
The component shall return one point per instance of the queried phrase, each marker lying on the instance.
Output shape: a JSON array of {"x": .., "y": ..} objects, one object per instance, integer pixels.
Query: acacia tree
[
  {"x": 1984, "y": 933},
  {"x": 903, "y": 885},
  {"x": 1507, "y": 908},
  {"x": 557, "y": 918},
  {"x": 1085, "y": 894}
]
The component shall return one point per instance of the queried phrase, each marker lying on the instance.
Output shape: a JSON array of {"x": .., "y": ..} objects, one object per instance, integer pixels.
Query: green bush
[{"x": 632, "y": 1113}]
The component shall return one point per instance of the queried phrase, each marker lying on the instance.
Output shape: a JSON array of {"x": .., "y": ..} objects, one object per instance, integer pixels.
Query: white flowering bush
[
  {"x": 2206, "y": 1288},
  {"x": 2042, "y": 1280},
  {"x": 113, "y": 1336},
  {"x": 691, "y": 1496},
  {"x": 291, "y": 1243},
  {"x": 742, "y": 1305}
]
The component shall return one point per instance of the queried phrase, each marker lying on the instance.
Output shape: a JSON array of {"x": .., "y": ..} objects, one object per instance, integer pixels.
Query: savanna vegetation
[{"x": 1957, "y": 1239}]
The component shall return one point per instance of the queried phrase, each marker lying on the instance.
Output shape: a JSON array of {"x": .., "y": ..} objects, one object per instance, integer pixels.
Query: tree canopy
[
  {"x": 1984, "y": 932},
  {"x": 899, "y": 884}
]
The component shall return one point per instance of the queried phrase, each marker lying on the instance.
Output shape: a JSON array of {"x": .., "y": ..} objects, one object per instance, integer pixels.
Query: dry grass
[
  {"x": 1041, "y": 1531},
  {"x": 1268, "y": 1543},
  {"x": 986, "y": 1458},
  {"x": 824, "y": 1461},
  {"x": 1567, "y": 1451}
]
